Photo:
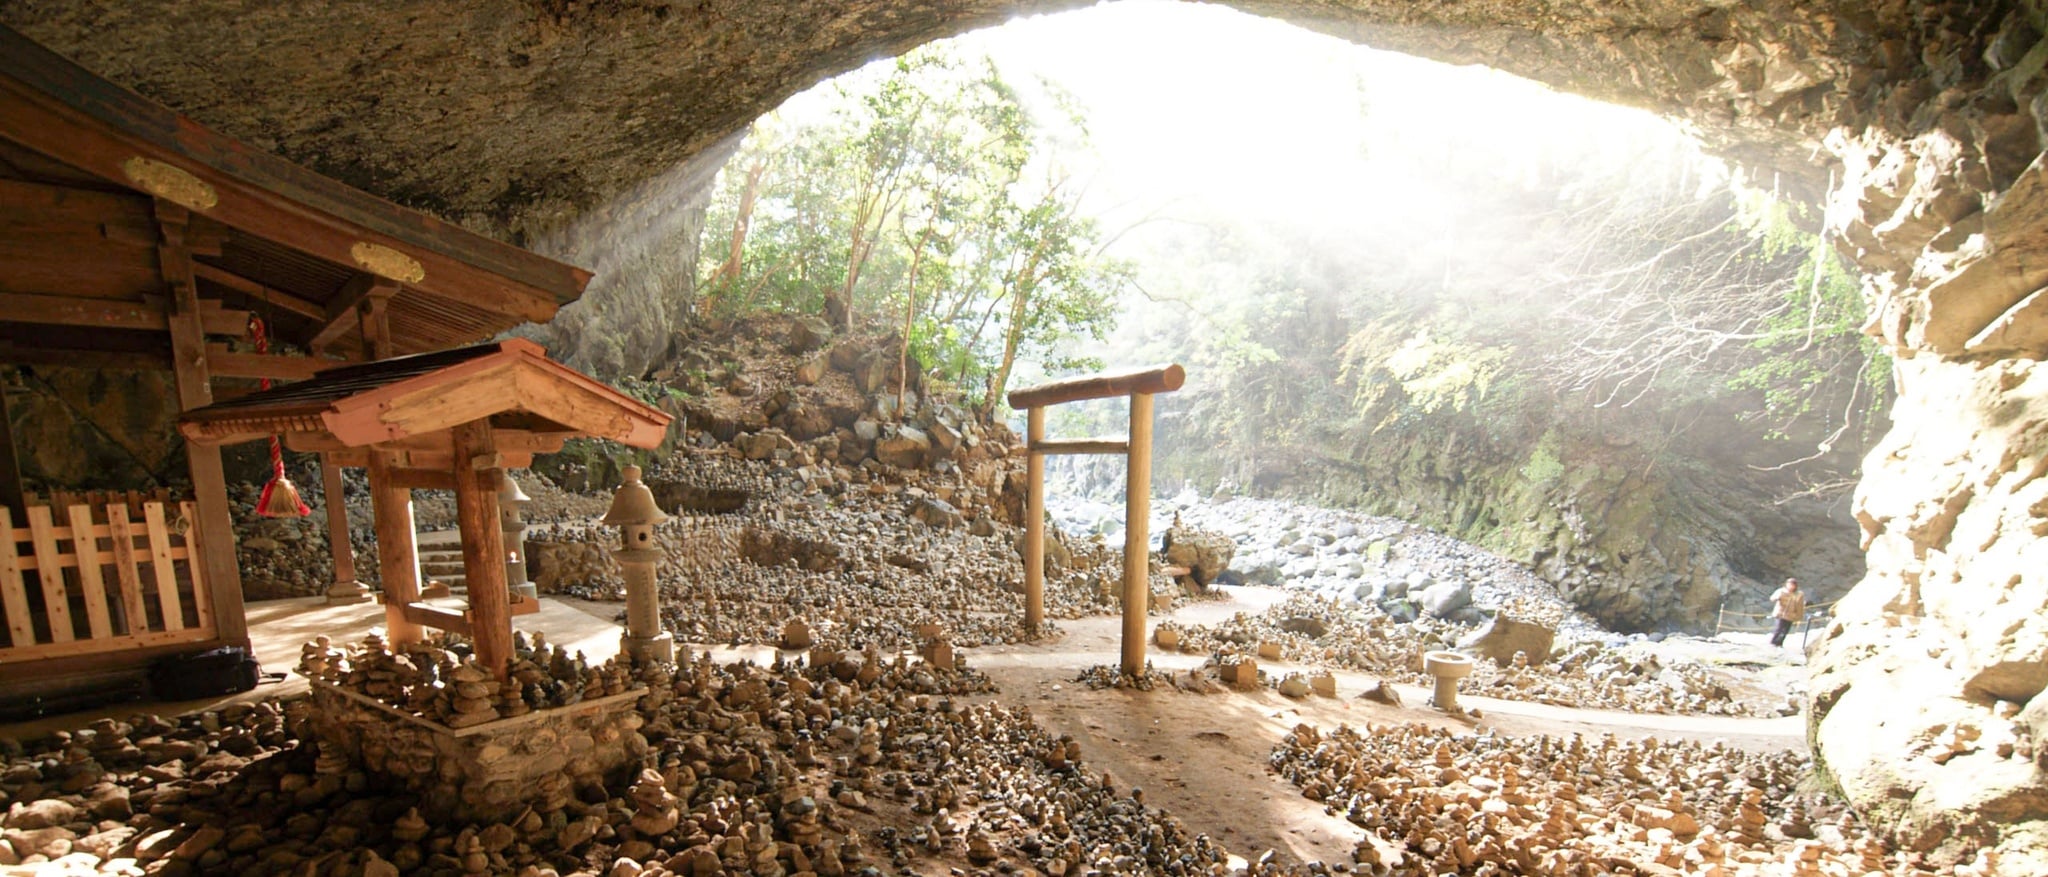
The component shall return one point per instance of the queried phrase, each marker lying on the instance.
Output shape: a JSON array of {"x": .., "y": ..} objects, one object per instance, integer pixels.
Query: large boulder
[
  {"x": 1205, "y": 553},
  {"x": 936, "y": 513},
  {"x": 764, "y": 444},
  {"x": 1444, "y": 599},
  {"x": 906, "y": 447},
  {"x": 1505, "y": 636}
]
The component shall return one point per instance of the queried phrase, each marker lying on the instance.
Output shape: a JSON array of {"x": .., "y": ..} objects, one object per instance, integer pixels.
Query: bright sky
[
  {"x": 1199, "y": 111},
  {"x": 1256, "y": 115}
]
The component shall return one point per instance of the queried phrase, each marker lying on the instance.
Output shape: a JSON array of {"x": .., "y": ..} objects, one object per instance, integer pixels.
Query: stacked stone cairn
[
  {"x": 1434, "y": 801},
  {"x": 440, "y": 680},
  {"x": 1585, "y": 674}
]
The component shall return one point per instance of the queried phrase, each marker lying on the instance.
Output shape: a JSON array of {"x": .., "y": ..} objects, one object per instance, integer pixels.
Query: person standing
[{"x": 1787, "y": 606}]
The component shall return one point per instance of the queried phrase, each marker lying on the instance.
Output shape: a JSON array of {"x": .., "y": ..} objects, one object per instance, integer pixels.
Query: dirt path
[{"x": 1203, "y": 757}]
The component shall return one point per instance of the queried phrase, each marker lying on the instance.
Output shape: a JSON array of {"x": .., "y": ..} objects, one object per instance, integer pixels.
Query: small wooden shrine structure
[
  {"x": 1136, "y": 447},
  {"x": 453, "y": 420},
  {"x": 133, "y": 238}
]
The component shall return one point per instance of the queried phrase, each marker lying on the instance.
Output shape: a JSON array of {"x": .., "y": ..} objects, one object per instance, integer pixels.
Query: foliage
[
  {"x": 928, "y": 196},
  {"x": 1427, "y": 373},
  {"x": 1678, "y": 323},
  {"x": 1544, "y": 466},
  {"x": 1814, "y": 357}
]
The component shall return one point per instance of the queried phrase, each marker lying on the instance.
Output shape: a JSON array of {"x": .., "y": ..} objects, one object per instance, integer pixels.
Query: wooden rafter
[
  {"x": 508, "y": 441},
  {"x": 280, "y": 299},
  {"x": 53, "y": 310},
  {"x": 57, "y": 108},
  {"x": 221, "y": 361},
  {"x": 345, "y": 311}
]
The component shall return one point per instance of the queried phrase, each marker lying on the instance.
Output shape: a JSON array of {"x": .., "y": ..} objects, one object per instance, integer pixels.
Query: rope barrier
[{"x": 1813, "y": 612}]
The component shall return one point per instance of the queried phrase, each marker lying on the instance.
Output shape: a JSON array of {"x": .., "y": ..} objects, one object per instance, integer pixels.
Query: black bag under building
[{"x": 212, "y": 673}]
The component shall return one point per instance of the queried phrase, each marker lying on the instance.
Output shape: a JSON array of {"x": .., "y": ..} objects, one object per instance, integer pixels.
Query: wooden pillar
[
  {"x": 477, "y": 476},
  {"x": 374, "y": 315},
  {"x": 1034, "y": 523},
  {"x": 1137, "y": 534},
  {"x": 216, "y": 526},
  {"x": 345, "y": 588},
  {"x": 11, "y": 493},
  {"x": 398, "y": 563}
]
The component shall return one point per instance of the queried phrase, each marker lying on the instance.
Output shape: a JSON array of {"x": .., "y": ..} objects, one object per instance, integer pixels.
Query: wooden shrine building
[
  {"x": 453, "y": 420},
  {"x": 133, "y": 238}
]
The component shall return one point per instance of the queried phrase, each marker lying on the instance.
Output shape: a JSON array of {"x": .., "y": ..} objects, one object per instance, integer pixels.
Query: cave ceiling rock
[{"x": 561, "y": 124}]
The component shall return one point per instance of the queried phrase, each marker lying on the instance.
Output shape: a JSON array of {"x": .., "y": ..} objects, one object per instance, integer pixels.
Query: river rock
[
  {"x": 1444, "y": 599},
  {"x": 44, "y": 813},
  {"x": 1505, "y": 636}
]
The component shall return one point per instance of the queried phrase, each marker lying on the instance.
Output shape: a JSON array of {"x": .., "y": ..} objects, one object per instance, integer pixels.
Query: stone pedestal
[
  {"x": 659, "y": 647},
  {"x": 350, "y": 591},
  {"x": 644, "y": 638},
  {"x": 489, "y": 772}
]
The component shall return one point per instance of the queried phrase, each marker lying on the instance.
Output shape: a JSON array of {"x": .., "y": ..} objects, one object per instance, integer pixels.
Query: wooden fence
[{"x": 102, "y": 579}]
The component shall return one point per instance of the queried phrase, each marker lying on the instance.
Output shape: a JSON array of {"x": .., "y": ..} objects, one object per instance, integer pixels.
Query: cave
[{"x": 589, "y": 130}]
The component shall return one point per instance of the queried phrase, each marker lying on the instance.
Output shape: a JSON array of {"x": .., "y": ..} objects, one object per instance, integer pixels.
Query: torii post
[{"x": 1137, "y": 448}]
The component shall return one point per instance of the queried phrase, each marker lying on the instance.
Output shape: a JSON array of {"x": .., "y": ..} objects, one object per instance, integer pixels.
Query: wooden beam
[
  {"x": 438, "y": 461},
  {"x": 398, "y": 564},
  {"x": 421, "y": 479},
  {"x": 1157, "y": 379},
  {"x": 54, "y": 203},
  {"x": 99, "y": 313},
  {"x": 135, "y": 658},
  {"x": 483, "y": 548},
  {"x": 340, "y": 312},
  {"x": 221, "y": 363},
  {"x": 282, "y": 300},
  {"x": 263, "y": 365},
  {"x": 138, "y": 360},
  {"x": 508, "y": 441},
  {"x": 57, "y": 108},
  {"x": 216, "y": 526},
  {"x": 429, "y": 615},
  {"x": 1077, "y": 446}
]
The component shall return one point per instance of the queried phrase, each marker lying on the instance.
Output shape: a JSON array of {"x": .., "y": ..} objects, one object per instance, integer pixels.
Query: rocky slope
[{"x": 1640, "y": 536}]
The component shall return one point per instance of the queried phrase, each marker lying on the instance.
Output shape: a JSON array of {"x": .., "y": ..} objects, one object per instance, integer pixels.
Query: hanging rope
[{"x": 280, "y": 497}]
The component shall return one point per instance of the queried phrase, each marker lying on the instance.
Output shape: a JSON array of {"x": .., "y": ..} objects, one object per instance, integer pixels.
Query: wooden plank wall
[{"x": 88, "y": 579}]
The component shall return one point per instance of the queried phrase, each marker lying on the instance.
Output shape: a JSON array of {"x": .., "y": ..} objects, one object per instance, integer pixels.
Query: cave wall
[
  {"x": 642, "y": 247},
  {"x": 1926, "y": 689},
  {"x": 84, "y": 429},
  {"x": 1649, "y": 518},
  {"x": 517, "y": 117},
  {"x": 1644, "y": 537}
]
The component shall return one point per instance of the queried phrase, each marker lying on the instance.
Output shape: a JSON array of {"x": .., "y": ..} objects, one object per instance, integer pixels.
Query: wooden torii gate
[{"x": 1137, "y": 448}]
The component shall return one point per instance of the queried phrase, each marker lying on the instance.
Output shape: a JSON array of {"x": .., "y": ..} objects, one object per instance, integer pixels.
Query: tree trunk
[
  {"x": 729, "y": 272},
  {"x": 909, "y": 316},
  {"x": 1020, "y": 307}
]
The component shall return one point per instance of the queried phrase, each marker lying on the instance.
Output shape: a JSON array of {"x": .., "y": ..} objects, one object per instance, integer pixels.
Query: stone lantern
[
  {"x": 633, "y": 511},
  {"x": 511, "y": 501}
]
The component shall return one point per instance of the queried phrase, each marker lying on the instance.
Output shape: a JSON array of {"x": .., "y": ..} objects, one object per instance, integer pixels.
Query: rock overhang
[{"x": 515, "y": 117}]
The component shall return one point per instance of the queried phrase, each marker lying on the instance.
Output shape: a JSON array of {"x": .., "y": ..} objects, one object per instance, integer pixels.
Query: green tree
[{"x": 927, "y": 196}]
